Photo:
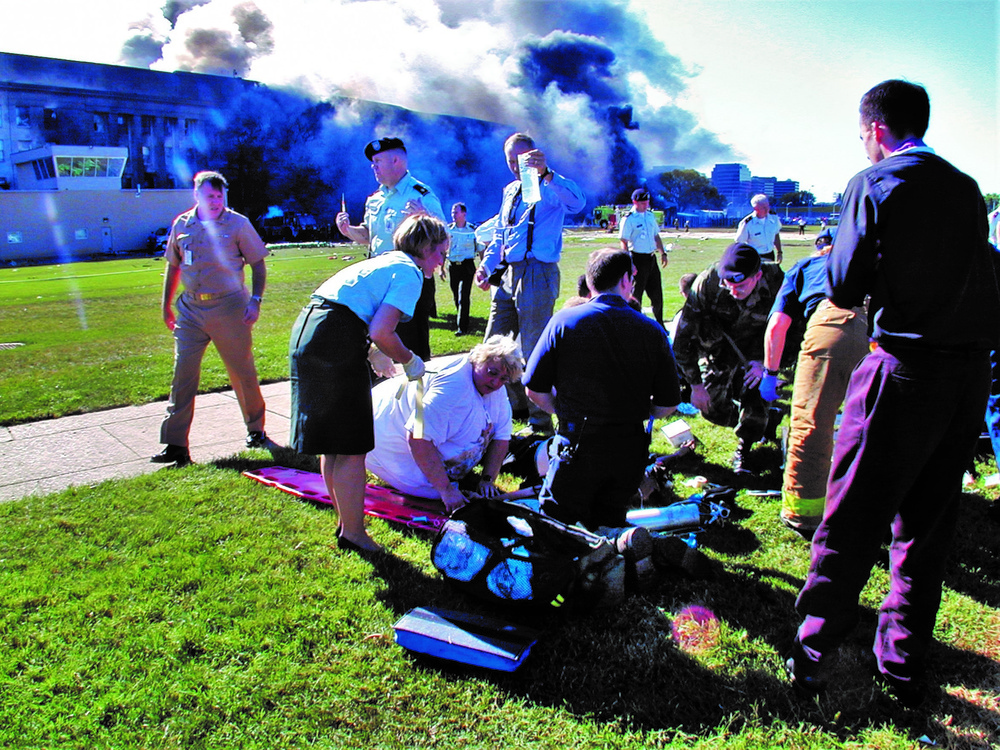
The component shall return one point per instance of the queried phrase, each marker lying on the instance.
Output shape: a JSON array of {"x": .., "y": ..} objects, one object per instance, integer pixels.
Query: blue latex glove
[{"x": 769, "y": 387}]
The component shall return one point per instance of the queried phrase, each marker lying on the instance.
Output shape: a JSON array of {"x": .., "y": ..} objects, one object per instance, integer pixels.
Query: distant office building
[
  {"x": 763, "y": 185},
  {"x": 736, "y": 183},
  {"x": 784, "y": 187},
  {"x": 733, "y": 183}
]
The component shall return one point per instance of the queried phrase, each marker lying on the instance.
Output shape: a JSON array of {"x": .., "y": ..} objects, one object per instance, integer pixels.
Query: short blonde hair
[
  {"x": 418, "y": 234},
  {"x": 503, "y": 350}
]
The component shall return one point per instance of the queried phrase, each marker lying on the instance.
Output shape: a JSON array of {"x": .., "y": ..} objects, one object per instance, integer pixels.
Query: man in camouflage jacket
[{"x": 719, "y": 346}]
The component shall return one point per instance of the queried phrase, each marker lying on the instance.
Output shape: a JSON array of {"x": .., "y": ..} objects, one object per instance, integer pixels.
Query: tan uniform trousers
[
  {"x": 834, "y": 343},
  {"x": 221, "y": 322}
]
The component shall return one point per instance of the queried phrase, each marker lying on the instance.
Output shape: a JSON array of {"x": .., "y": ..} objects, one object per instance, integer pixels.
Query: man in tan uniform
[{"x": 207, "y": 250}]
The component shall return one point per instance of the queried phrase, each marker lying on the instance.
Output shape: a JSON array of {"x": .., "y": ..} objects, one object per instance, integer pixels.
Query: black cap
[
  {"x": 739, "y": 263},
  {"x": 640, "y": 194},
  {"x": 383, "y": 144}
]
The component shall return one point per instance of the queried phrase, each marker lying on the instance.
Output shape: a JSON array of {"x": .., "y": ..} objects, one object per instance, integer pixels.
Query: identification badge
[{"x": 188, "y": 258}]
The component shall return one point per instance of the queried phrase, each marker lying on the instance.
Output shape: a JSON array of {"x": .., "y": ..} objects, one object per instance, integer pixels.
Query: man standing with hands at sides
[
  {"x": 207, "y": 250},
  {"x": 640, "y": 235},
  {"x": 461, "y": 265},
  {"x": 528, "y": 237},
  {"x": 399, "y": 195},
  {"x": 761, "y": 230},
  {"x": 934, "y": 312}
]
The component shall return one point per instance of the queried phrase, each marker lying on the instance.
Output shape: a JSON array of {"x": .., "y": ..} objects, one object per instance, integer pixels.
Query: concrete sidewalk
[{"x": 42, "y": 457}]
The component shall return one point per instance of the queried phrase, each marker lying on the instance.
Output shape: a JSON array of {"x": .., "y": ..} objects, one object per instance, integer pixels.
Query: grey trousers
[{"x": 521, "y": 306}]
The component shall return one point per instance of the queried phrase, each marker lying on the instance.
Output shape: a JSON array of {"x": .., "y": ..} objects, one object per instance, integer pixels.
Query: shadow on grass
[
  {"x": 628, "y": 666},
  {"x": 974, "y": 565}
]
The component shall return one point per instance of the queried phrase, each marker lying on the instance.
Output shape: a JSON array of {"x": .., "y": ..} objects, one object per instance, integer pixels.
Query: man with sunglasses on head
[
  {"x": 602, "y": 368},
  {"x": 720, "y": 343}
]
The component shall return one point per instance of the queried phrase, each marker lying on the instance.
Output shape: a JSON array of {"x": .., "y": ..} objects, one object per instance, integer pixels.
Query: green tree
[
  {"x": 690, "y": 189},
  {"x": 992, "y": 200},
  {"x": 798, "y": 198}
]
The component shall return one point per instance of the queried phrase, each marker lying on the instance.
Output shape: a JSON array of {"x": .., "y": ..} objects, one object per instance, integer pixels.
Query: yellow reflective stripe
[
  {"x": 558, "y": 601},
  {"x": 418, "y": 414},
  {"x": 793, "y": 505}
]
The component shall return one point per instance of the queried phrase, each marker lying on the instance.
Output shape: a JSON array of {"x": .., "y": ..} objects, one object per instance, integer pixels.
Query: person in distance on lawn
[
  {"x": 761, "y": 229},
  {"x": 640, "y": 235},
  {"x": 462, "y": 254},
  {"x": 330, "y": 375},
  {"x": 207, "y": 250}
]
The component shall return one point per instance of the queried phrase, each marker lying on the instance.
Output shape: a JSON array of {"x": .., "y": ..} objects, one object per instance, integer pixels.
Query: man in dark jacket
[{"x": 934, "y": 314}]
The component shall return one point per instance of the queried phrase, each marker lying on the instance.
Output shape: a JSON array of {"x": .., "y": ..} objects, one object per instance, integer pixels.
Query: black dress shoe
[
  {"x": 256, "y": 439},
  {"x": 172, "y": 454}
]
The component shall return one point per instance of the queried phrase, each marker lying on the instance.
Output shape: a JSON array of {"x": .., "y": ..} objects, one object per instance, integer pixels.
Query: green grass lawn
[{"x": 195, "y": 608}]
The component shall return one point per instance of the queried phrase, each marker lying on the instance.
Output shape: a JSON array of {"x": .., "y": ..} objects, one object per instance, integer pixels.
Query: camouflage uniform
[{"x": 706, "y": 356}]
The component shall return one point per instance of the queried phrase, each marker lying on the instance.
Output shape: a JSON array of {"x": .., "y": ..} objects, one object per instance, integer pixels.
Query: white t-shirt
[{"x": 457, "y": 419}]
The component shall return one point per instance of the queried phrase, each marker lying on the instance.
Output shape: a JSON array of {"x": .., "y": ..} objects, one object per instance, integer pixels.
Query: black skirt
[{"x": 330, "y": 381}]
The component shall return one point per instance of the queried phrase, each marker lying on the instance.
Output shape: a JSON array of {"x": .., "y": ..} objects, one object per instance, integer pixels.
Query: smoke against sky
[
  {"x": 777, "y": 80},
  {"x": 563, "y": 71}
]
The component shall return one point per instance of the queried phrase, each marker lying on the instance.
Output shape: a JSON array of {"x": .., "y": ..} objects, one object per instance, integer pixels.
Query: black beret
[
  {"x": 640, "y": 194},
  {"x": 383, "y": 144},
  {"x": 739, "y": 263}
]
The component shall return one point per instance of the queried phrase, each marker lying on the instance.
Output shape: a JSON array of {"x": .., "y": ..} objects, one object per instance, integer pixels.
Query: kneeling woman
[
  {"x": 330, "y": 377},
  {"x": 465, "y": 420}
]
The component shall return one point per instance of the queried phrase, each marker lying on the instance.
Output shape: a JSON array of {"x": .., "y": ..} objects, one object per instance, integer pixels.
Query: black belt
[{"x": 325, "y": 304}]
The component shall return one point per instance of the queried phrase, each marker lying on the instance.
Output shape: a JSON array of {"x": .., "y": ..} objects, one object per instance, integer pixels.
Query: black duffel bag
[{"x": 506, "y": 553}]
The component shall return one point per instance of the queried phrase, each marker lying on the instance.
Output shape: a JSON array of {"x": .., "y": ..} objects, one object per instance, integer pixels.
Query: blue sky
[
  {"x": 781, "y": 80},
  {"x": 778, "y": 81}
]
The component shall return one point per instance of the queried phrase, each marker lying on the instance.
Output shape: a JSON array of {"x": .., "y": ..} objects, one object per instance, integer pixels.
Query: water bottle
[{"x": 530, "y": 190}]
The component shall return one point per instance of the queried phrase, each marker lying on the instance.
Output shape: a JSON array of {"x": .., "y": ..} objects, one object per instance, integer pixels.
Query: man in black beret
[
  {"x": 399, "y": 195},
  {"x": 719, "y": 346},
  {"x": 640, "y": 235}
]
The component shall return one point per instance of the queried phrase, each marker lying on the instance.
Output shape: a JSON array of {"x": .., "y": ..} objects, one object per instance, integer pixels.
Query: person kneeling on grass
[
  {"x": 466, "y": 420},
  {"x": 330, "y": 375}
]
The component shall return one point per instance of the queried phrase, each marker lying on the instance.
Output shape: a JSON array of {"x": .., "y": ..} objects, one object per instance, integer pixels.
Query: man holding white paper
[{"x": 528, "y": 238}]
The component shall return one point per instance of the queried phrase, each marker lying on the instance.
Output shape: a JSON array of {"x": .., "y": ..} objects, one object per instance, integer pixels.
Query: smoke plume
[{"x": 586, "y": 78}]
